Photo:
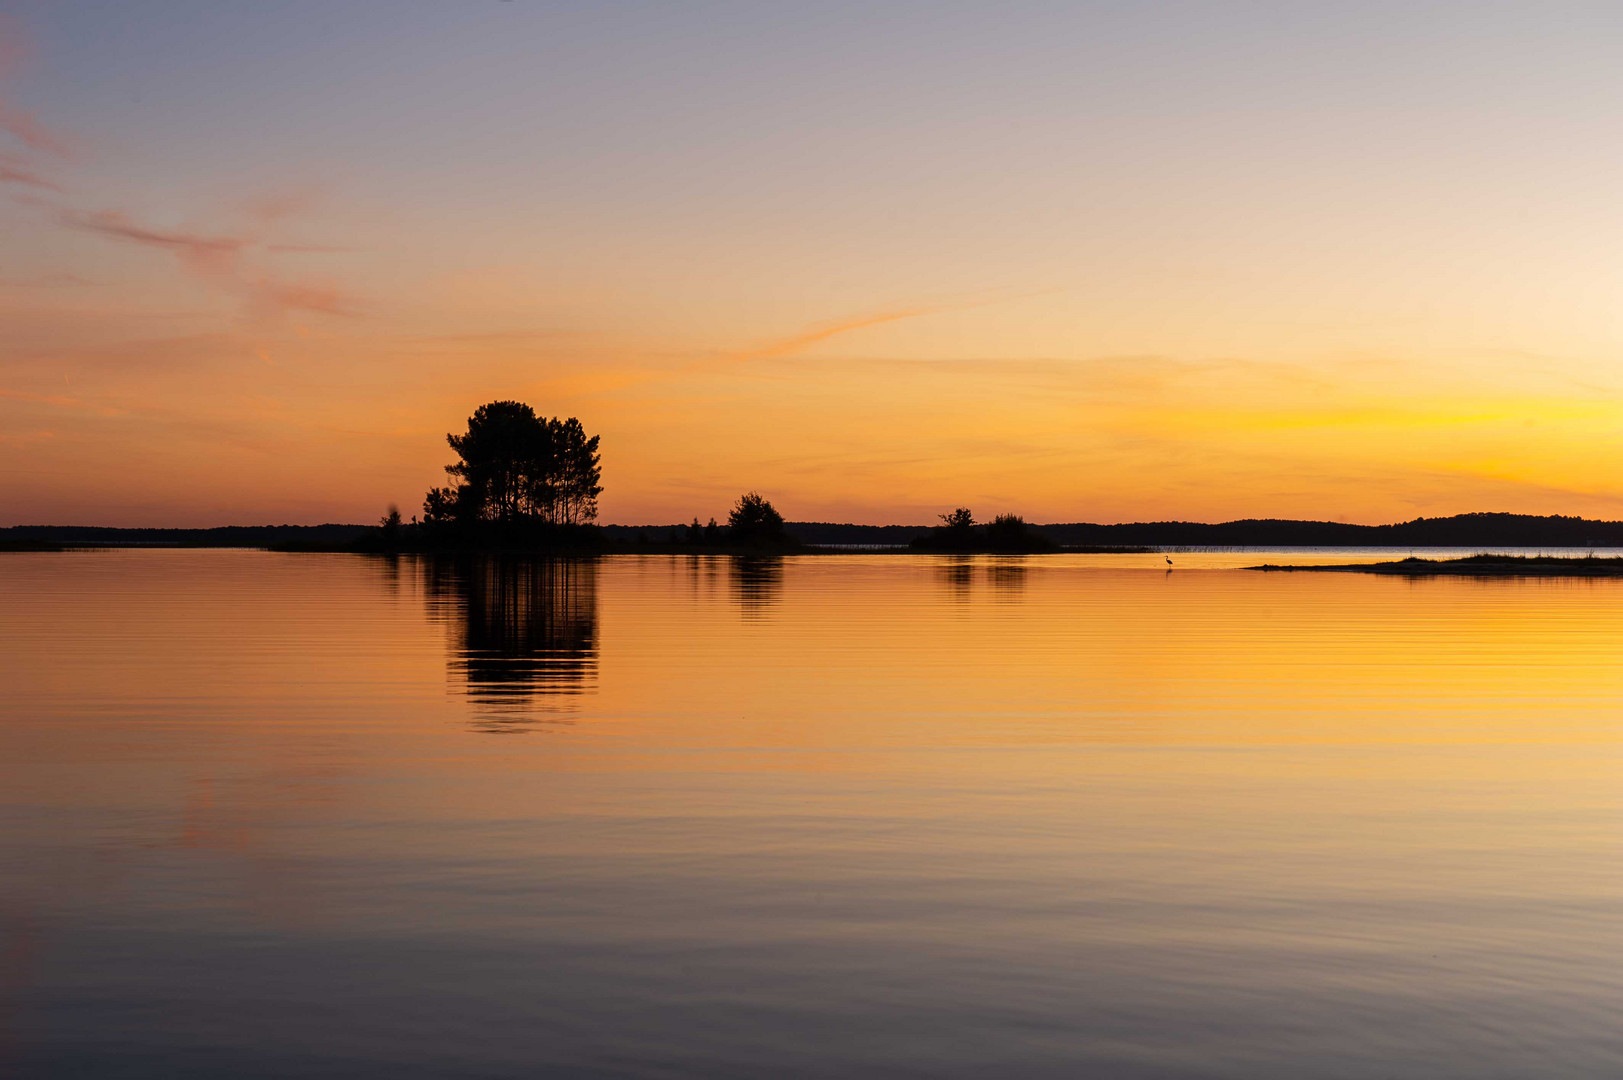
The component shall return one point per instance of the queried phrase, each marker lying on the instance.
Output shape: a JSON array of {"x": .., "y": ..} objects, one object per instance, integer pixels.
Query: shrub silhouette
[
  {"x": 390, "y": 525},
  {"x": 1007, "y": 533}
]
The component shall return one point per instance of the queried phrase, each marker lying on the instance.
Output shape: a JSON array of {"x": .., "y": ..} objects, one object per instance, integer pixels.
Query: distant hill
[{"x": 1461, "y": 530}]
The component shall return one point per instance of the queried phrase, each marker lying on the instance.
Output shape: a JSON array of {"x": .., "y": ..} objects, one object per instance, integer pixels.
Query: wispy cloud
[
  {"x": 285, "y": 296},
  {"x": 30, "y": 131},
  {"x": 41, "y": 399},
  {"x": 309, "y": 249},
  {"x": 219, "y": 258},
  {"x": 13, "y": 170},
  {"x": 17, "y": 440},
  {"x": 62, "y": 401},
  {"x": 816, "y": 334},
  {"x": 600, "y": 380},
  {"x": 20, "y": 123},
  {"x": 807, "y": 338},
  {"x": 274, "y": 206},
  {"x": 198, "y": 252}
]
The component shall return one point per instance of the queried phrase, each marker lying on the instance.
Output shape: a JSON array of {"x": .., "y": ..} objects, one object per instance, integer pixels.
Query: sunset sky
[{"x": 1083, "y": 262}]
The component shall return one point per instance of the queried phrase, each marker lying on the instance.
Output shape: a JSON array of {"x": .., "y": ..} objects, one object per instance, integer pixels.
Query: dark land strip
[
  {"x": 1472, "y": 566},
  {"x": 1460, "y": 531}
]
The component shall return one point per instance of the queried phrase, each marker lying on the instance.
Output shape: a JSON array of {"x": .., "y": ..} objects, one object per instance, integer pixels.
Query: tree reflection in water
[
  {"x": 1005, "y": 573},
  {"x": 757, "y": 580},
  {"x": 525, "y": 634},
  {"x": 957, "y": 573}
]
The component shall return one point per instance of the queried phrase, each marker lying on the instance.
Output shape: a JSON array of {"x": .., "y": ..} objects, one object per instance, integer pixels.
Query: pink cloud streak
[
  {"x": 20, "y": 123},
  {"x": 14, "y": 170},
  {"x": 209, "y": 255},
  {"x": 218, "y": 259}
]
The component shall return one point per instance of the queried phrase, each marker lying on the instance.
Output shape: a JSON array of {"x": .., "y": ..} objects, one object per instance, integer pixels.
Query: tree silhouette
[
  {"x": 576, "y": 469},
  {"x": 503, "y": 455},
  {"x": 443, "y": 505},
  {"x": 755, "y": 521},
  {"x": 518, "y": 466}
]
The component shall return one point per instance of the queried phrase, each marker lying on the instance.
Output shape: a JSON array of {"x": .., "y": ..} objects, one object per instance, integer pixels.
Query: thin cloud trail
[
  {"x": 14, "y": 170},
  {"x": 787, "y": 346},
  {"x": 807, "y": 338},
  {"x": 20, "y": 123},
  {"x": 218, "y": 259}
]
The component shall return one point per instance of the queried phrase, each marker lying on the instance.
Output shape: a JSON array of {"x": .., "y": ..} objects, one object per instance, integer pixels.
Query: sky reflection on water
[{"x": 829, "y": 816}]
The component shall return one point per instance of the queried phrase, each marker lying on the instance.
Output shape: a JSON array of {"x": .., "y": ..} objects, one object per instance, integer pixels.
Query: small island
[{"x": 1474, "y": 566}]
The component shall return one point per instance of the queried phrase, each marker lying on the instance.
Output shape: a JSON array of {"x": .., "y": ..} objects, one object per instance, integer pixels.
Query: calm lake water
[{"x": 272, "y": 815}]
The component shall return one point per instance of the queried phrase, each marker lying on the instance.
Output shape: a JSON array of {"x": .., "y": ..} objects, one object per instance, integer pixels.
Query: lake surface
[{"x": 272, "y": 815}]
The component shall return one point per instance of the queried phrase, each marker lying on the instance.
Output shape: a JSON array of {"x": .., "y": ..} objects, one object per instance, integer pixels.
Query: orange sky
[{"x": 1095, "y": 264}]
